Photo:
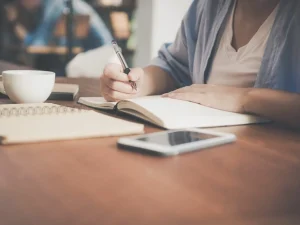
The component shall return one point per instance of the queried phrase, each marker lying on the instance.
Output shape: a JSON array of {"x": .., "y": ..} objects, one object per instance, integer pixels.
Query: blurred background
[{"x": 72, "y": 37}]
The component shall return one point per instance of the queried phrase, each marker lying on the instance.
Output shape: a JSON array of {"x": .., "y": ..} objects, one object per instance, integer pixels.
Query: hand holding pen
[
  {"x": 118, "y": 82},
  {"x": 126, "y": 69}
]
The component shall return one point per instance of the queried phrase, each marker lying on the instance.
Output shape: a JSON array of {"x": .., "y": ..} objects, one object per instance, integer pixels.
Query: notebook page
[
  {"x": 177, "y": 114},
  {"x": 62, "y": 126}
]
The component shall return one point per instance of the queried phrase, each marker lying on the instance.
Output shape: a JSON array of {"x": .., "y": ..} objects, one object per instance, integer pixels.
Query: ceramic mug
[{"x": 28, "y": 86}]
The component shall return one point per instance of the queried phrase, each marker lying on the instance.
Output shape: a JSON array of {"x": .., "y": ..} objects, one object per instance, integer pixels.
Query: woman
[{"x": 235, "y": 55}]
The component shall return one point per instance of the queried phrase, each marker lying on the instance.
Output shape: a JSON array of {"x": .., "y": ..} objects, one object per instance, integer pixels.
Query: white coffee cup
[{"x": 28, "y": 86}]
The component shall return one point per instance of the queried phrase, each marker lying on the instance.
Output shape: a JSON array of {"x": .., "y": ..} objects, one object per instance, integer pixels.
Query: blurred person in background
[{"x": 34, "y": 22}]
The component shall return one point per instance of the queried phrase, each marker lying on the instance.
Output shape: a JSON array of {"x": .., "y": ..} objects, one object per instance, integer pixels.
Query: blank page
[{"x": 177, "y": 114}]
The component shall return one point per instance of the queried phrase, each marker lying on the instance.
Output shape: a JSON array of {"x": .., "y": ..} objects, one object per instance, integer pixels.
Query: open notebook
[
  {"x": 21, "y": 123},
  {"x": 171, "y": 113},
  {"x": 60, "y": 91}
]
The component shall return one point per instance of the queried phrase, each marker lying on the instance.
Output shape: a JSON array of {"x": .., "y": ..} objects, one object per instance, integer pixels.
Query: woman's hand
[
  {"x": 219, "y": 97},
  {"x": 115, "y": 85}
]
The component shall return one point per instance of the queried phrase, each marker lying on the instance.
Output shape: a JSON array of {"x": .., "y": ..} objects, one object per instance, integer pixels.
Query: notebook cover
[{"x": 61, "y": 92}]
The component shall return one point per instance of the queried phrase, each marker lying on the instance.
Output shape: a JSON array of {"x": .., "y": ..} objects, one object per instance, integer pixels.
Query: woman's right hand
[{"x": 115, "y": 85}]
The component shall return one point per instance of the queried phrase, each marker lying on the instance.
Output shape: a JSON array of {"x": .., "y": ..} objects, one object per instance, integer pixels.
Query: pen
[{"x": 126, "y": 69}]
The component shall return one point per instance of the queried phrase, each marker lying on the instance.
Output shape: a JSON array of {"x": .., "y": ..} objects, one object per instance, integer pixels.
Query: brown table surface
[{"x": 253, "y": 181}]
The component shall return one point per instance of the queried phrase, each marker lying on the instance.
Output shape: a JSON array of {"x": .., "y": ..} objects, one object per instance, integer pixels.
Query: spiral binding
[{"x": 31, "y": 111}]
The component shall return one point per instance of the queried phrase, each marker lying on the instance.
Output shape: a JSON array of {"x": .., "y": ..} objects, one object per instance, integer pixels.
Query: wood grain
[{"x": 253, "y": 181}]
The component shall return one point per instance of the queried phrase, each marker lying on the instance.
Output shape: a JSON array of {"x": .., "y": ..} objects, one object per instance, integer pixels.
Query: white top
[{"x": 240, "y": 68}]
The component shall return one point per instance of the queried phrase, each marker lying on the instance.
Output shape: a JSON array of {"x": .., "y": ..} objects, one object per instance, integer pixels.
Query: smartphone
[{"x": 174, "y": 142}]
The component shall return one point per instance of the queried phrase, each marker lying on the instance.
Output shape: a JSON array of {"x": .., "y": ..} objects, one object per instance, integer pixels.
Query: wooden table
[{"x": 254, "y": 181}]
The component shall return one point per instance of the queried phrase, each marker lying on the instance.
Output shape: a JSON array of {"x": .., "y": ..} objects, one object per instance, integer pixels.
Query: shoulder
[
  {"x": 213, "y": 6},
  {"x": 206, "y": 10},
  {"x": 205, "y": 13}
]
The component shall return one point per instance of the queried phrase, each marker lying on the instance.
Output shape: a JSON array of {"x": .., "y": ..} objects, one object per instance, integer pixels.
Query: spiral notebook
[{"x": 24, "y": 123}]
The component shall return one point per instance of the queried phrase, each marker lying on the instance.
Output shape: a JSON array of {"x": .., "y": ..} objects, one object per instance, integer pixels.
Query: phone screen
[{"x": 176, "y": 138}]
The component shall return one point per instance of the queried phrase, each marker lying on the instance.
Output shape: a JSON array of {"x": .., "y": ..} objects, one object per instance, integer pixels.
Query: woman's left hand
[{"x": 219, "y": 97}]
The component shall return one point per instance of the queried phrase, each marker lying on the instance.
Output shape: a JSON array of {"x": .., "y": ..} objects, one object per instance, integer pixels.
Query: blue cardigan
[{"x": 188, "y": 59}]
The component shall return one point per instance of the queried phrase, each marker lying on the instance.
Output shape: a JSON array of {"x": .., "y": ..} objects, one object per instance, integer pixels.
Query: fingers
[
  {"x": 115, "y": 84},
  {"x": 115, "y": 90},
  {"x": 112, "y": 95},
  {"x": 136, "y": 74},
  {"x": 115, "y": 72},
  {"x": 124, "y": 87}
]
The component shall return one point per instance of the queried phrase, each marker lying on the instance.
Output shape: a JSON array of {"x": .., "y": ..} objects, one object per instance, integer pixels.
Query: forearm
[
  {"x": 156, "y": 81},
  {"x": 279, "y": 106}
]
